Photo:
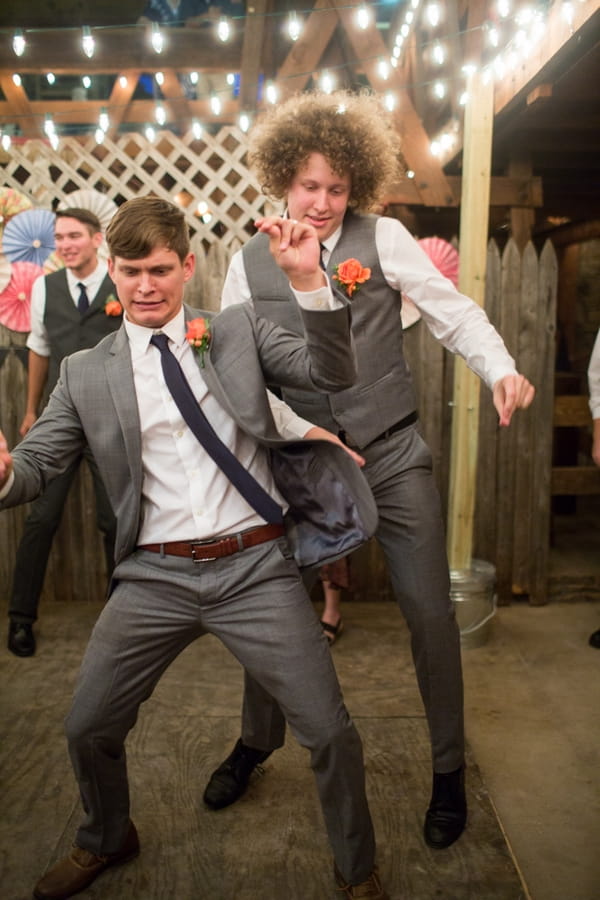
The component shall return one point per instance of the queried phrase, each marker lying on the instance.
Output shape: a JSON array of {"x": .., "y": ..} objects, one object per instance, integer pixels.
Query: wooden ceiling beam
[
  {"x": 19, "y": 105},
  {"x": 505, "y": 191},
  {"x": 137, "y": 112},
  {"x": 369, "y": 48},
  {"x": 120, "y": 98},
  {"x": 252, "y": 53},
  {"x": 306, "y": 53}
]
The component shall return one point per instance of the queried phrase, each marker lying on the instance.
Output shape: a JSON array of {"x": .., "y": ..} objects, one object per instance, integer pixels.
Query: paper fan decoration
[
  {"x": 101, "y": 205},
  {"x": 53, "y": 263},
  {"x": 29, "y": 236},
  {"x": 11, "y": 203},
  {"x": 443, "y": 255},
  {"x": 5, "y": 267},
  {"x": 15, "y": 299}
]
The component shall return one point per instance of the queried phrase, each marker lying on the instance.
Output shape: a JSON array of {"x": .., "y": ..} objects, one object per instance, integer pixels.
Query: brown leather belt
[{"x": 206, "y": 551}]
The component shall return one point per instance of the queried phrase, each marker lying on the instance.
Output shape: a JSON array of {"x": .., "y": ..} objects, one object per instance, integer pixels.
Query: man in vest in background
[
  {"x": 329, "y": 159},
  {"x": 71, "y": 309}
]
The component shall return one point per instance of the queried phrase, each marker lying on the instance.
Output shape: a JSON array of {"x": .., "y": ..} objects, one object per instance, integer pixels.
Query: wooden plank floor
[{"x": 269, "y": 846}]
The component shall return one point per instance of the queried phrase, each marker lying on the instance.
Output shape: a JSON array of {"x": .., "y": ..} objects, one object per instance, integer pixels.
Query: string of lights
[{"x": 510, "y": 35}]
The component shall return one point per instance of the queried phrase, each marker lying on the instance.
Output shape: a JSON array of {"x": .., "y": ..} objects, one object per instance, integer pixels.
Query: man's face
[
  {"x": 75, "y": 245},
  {"x": 151, "y": 289},
  {"x": 318, "y": 196}
]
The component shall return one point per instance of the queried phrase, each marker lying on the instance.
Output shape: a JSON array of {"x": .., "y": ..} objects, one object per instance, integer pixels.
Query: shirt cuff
[{"x": 321, "y": 299}]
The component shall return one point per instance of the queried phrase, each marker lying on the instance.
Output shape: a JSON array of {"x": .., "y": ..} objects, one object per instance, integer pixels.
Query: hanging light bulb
[
  {"x": 16, "y": 79},
  {"x": 99, "y": 135},
  {"x": 87, "y": 42},
  {"x": 156, "y": 38},
  {"x": 159, "y": 113},
  {"x": 159, "y": 78},
  {"x": 194, "y": 78},
  {"x": 54, "y": 140},
  {"x": 433, "y": 14},
  {"x": 103, "y": 120},
  {"x": 215, "y": 105},
  {"x": 271, "y": 93},
  {"x": 230, "y": 79},
  {"x": 6, "y": 142},
  {"x": 384, "y": 69},
  {"x": 389, "y": 101},
  {"x": 244, "y": 122},
  {"x": 49, "y": 124},
  {"x": 86, "y": 82},
  {"x": 50, "y": 78},
  {"x": 150, "y": 133},
  {"x": 438, "y": 53},
  {"x": 410, "y": 173},
  {"x": 223, "y": 29},
  {"x": 196, "y": 129},
  {"x": 327, "y": 82},
  {"x": 294, "y": 27},
  {"x": 439, "y": 89},
  {"x": 19, "y": 43},
  {"x": 123, "y": 81},
  {"x": 363, "y": 17}
]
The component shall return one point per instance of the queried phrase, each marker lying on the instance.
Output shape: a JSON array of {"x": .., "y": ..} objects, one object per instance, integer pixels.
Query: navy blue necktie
[
  {"x": 188, "y": 406},
  {"x": 83, "y": 304},
  {"x": 321, "y": 261}
]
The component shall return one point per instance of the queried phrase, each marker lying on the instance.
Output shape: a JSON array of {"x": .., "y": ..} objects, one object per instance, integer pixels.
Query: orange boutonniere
[
  {"x": 351, "y": 275},
  {"x": 198, "y": 335},
  {"x": 112, "y": 307}
]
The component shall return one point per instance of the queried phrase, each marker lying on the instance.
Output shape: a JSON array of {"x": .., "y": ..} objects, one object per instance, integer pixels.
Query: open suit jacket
[{"x": 331, "y": 507}]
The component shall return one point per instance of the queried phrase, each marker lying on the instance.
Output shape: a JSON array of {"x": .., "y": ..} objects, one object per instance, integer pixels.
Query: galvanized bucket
[{"x": 473, "y": 594}]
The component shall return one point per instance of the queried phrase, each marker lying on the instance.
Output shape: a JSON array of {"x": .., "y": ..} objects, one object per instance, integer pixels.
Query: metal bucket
[{"x": 473, "y": 594}]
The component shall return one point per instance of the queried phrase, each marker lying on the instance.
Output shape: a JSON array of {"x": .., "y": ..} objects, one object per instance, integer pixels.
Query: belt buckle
[{"x": 200, "y": 544}]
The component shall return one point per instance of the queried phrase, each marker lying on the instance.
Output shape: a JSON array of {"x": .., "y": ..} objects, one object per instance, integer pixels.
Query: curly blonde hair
[{"x": 354, "y": 132}]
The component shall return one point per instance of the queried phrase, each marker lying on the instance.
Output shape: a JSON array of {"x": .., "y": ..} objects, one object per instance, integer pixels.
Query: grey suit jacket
[{"x": 331, "y": 506}]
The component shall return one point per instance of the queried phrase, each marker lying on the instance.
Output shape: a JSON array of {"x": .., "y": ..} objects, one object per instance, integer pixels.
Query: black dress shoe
[
  {"x": 21, "y": 640},
  {"x": 230, "y": 780},
  {"x": 447, "y": 814}
]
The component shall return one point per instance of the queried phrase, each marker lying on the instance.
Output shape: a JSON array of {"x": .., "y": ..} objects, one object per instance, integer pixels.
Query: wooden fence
[{"x": 513, "y": 487}]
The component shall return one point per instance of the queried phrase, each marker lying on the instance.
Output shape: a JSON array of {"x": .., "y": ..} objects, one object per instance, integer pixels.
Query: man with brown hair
[
  {"x": 213, "y": 509},
  {"x": 328, "y": 158},
  {"x": 69, "y": 312}
]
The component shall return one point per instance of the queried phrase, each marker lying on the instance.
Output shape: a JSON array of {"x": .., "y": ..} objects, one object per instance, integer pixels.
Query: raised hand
[{"x": 296, "y": 250}]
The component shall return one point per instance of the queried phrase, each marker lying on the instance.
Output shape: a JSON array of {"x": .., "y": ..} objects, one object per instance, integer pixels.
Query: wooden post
[{"x": 473, "y": 237}]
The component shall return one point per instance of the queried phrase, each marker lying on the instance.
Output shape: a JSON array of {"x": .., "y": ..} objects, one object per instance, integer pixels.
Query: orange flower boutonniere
[
  {"x": 351, "y": 275},
  {"x": 198, "y": 335},
  {"x": 112, "y": 307}
]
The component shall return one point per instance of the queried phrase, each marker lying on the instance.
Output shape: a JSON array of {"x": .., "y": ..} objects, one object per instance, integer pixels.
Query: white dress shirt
[
  {"x": 454, "y": 319},
  {"x": 38, "y": 336}
]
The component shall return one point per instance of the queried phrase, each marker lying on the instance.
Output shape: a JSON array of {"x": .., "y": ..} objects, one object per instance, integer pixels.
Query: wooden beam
[
  {"x": 138, "y": 111},
  {"x": 120, "y": 99},
  {"x": 368, "y": 45},
  {"x": 60, "y": 52},
  {"x": 16, "y": 100},
  {"x": 305, "y": 54},
  {"x": 252, "y": 53},
  {"x": 504, "y": 191},
  {"x": 473, "y": 255}
]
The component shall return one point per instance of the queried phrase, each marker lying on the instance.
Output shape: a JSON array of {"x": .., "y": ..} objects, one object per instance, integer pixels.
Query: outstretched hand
[
  {"x": 6, "y": 464},
  {"x": 510, "y": 393},
  {"x": 296, "y": 250}
]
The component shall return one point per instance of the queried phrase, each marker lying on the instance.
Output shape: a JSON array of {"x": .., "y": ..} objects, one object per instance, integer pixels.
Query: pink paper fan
[
  {"x": 443, "y": 255},
  {"x": 15, "y": 299}
]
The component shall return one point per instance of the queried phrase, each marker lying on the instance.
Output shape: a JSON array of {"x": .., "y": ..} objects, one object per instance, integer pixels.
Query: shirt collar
[
  {"x": 139, "y": 335},
  {"x": 92, "y": 281}
]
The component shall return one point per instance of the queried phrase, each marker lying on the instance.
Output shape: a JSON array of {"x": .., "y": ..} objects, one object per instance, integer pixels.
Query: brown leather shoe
[
  {"x": 371, "y": 889},
  {"x": 77, "y": 870}
]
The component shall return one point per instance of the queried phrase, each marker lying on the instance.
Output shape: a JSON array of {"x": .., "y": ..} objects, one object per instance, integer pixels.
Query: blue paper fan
[{"x": 29, "y": 236}]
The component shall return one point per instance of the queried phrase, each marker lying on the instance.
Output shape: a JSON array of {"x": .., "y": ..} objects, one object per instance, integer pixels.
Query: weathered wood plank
[{"x": 575, "y": 480}]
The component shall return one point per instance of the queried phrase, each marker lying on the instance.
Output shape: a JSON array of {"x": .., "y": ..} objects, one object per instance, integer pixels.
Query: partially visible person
[
  {"x": 594, "y": 388},
  {"x": 71, "y": 309},
  {"x": 329, "y": 158},
  {"x": 334, "y": 577},
  {"x": 212, "y": 508}
]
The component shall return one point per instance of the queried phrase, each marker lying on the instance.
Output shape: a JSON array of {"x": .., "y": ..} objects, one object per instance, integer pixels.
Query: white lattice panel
[{"x": 184, "y": 170}]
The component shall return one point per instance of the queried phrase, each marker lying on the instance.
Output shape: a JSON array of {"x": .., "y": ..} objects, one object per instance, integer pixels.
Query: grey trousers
[
  {"x": 411, "y": 535},
  {"x": 254, "y": 601}
]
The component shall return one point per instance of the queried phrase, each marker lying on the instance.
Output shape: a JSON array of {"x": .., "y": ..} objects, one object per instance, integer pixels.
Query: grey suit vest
[
  {"x": 69, "y": 331},
  {"x": 383, "y": 393}
]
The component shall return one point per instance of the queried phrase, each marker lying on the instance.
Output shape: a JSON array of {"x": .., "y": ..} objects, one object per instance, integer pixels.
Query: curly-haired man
[{"x": 328, "y": 157}]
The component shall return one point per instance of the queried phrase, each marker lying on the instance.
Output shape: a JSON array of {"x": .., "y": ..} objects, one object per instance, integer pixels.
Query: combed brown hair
[
  {"x": 85, "y": 216},
  {"x": 354, "y": 132},
  {"x": 141, "y": 225}
]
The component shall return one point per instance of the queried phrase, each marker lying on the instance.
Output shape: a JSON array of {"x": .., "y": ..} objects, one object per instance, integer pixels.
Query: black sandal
[{"x": 332, "y": 632}]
